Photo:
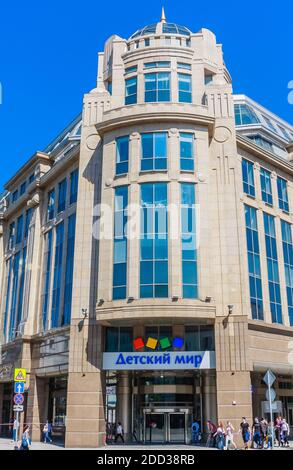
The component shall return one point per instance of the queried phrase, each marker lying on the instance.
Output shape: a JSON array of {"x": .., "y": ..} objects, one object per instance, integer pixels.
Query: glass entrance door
[
  {"x": 155, "y": 429},
  {"x": 177, "y": 427}
]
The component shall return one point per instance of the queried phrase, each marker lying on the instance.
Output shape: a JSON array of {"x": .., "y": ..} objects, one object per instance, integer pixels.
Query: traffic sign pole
[{"x": 271, "y": 416}]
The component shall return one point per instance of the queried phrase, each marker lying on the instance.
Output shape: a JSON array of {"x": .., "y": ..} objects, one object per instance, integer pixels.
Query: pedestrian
[
  {"x": 25, "y": 440},
  {"x": 50, "y": 430},
  {"x": 119, "y": 432},
  {"x": 278, "y": 429},
  {"x": 46, "y": 436},
  {"x": 264, "y": 431},
  {"x": 15, "y": 429},
  {"x": 256, "y": 433},
  {"x": 10, "y": 428},
  {"x": 212, "y": 429},
  {"x": 284, "y": 433},
  {"x": 220, "y": 436},
  {"x": 195, "y": 432},
  {"x": 245, "y": 431},
  {"x": 229, "y": 441},
  {"x": 270, "y": 435}
]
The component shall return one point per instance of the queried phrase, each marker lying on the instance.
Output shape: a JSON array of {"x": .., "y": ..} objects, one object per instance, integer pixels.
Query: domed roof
[{"x": 162, "y": 27}]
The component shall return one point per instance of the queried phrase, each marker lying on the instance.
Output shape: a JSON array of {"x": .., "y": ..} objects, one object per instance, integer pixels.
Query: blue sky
[{"x": 48, "y": 58}]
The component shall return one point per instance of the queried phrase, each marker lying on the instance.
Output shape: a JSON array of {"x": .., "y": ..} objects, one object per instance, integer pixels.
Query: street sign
[
  {"x": 18, "y": 387},
  {"x": 18, "y": 399},
  {"x": 277, "y": 407},
  {"x": 18, "y": 408},
  {"x": 271, "y": 395},
  {"x": 19, "y": 375},
  {"x": 269, "y": 378}
]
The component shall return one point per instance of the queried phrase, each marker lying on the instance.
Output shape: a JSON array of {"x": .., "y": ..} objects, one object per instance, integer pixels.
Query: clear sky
[{"x": 48, "y": 58}]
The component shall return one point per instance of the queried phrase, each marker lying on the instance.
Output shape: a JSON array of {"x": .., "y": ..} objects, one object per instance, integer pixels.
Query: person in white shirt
[
  {"x": 229, "y": 441},
  {"x": 119, "y": 432}
]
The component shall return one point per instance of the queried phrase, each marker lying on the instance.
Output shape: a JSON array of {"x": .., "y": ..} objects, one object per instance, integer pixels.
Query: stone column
[
  {"x": 124, "y": 403},
  {"x": 234, "y": 397},
  {"x": 37, "y": 406},
  {"x": 209, "y": 398}
]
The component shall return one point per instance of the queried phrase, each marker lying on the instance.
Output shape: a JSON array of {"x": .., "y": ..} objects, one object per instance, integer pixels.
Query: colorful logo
[{"x": 153, "y": 343}]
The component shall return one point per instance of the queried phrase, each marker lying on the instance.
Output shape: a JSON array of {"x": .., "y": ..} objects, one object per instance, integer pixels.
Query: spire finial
[{"x": 163, "y": 16}]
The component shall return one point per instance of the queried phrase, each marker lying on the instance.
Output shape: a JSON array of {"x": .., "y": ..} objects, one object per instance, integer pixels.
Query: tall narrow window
[
  {"x": 122, "y": 155},
  {"x": 273, "y": 269},
  {"x": 28, "y": 219},
  {"x": 248, "y": 178},
  {"x": 131, "y": 90},
  {"x": 21, "y": 289},
  {"x": 56, "y": 293},
  {"x": 184, "y": 88},
  {"x": 188, "y": 240},
  {"x": 283, "y": 194},
  {"x": 19, "y": 229},
  {"x": 288, "y": 261},
  {"x": 73, "y": 186},
  {"x": 120, "y": 244},
  {"x": 51, "y": 205},
  {"x": 62, "y": 195},
  {"x": 69, "y": 271},
  {"x": 186, "y": 152},
  {"x": 253, "y": 254},
  {"x": 7, "y": 295},
  {"x": 11, "y": 239},
  {"x": 157, "y": 87},
  {"x": 154, "y": 151},
  {"x": 266, "y": 186},
  {"x": 13, "y": 307},
  {"x": 47, "y": 278},
  {"x": 154, "y": 241}
]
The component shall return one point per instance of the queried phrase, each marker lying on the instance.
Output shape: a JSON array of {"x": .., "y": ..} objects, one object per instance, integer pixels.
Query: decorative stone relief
[
  {"x": 92, "y": 141},
  {"x": 222, "y": 134}
]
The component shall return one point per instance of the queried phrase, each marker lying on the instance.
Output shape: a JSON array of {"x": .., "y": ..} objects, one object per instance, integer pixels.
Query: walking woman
[
  {"x": 229, "y": 441},
  {"x": 278, "y": 429}
]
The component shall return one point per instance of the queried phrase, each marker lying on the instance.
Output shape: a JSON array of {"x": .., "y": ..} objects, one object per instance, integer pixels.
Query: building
[{"x": 181, "y": 320}]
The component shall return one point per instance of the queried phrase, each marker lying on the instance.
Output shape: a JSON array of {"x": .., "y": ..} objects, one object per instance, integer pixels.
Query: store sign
[{"x": 159, "y": 360}]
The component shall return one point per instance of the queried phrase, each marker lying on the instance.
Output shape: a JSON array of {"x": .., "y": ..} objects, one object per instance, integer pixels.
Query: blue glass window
[
  {"x": 283, "y": 194},
  {"x": 154, "y": 65},
  {"x": 264, "y": 143},
  {"x": 19, "y": 229},
  {"x": 21, "y": 289},
  {"x": 244, "y": 115},
  {"x": 253, "y": 254},
  {"x": 188, "y": 241},
  {"x": 288, "y": 262},
  {"x": 15, "y": 281},
  {"x": 154, "y": 151},
  {"x": 186, "y": 152},
  {"x": 122, "y": 155},
  {"x": 31, "y": 178},
  {"x": 56, "y": 293},
  {"x": 184, "y": 87},
  {"x": 69, "y": 271},
  {"x": 120, "y": 244},
  {"x": 157, "y": 87},
  {"x": 248, "y": 178},
  {"x": 154, "y": 241},
  {"x": 7, "y": 294},
  {"x": 266, "y": 186},
  {"x": 131, "y": 70},
  {"x": 47, "y": 277},
  {"x": 14, "y": 196},
  {"x": 62, "y": 195},
  {"x": 51, "y": 205},
  {"x": 28, "y": 219},
  {"x": 131, "y": 90},
  {"x": 11, "y": 239},
  {"x": 22, "y": 188},
  {"x": 273, "y": 269},
  {"x": 73, "y": 187}
]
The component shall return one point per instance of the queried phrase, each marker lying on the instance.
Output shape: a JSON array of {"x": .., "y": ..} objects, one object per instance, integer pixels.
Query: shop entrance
[{"x": 166, "y": 426}]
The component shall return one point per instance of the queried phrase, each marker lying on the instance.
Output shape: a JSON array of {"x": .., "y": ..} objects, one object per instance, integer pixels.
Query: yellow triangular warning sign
[{"x": 19, "y": 377}]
